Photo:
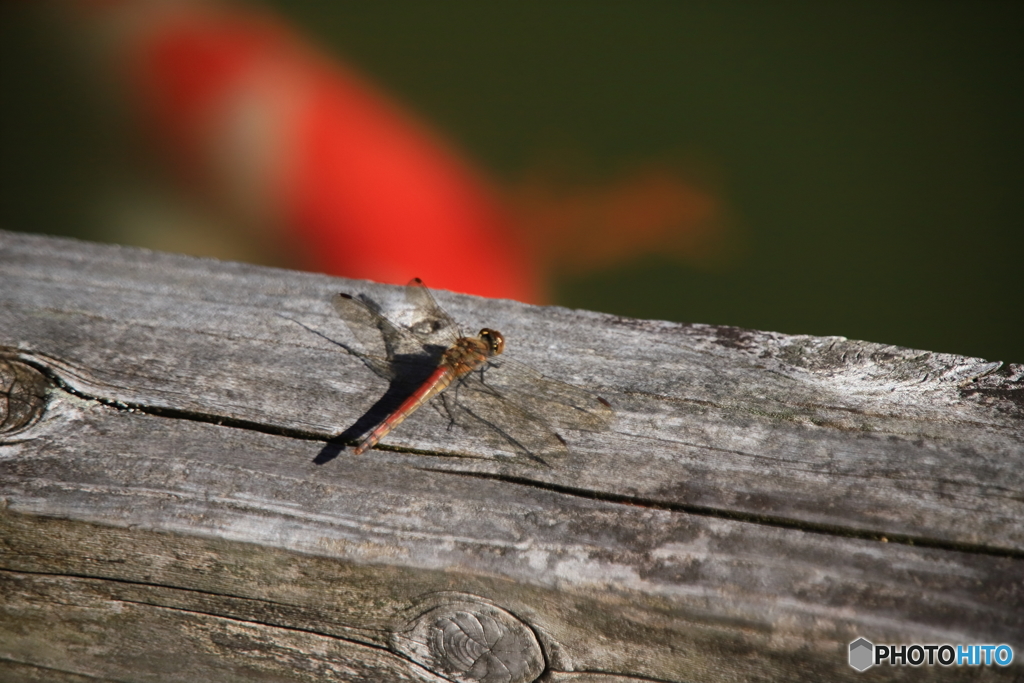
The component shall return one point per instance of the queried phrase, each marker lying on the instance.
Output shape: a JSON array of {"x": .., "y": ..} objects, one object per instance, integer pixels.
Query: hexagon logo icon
[{"x": 862, "y": 654}]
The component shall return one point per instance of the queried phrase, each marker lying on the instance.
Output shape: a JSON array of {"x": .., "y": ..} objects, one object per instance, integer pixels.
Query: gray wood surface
[{"x": 177, "y": 504}]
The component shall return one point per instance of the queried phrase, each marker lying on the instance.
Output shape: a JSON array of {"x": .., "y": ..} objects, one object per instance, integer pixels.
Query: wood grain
[{"x": 759, "y": 500}]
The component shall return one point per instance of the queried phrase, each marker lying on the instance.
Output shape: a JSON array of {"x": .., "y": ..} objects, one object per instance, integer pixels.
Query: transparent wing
[
  {"x": 384, "y": 346},
  {"x": 432, "y": 323},
  {"x": 563, "y": 405},
  {"x": 486, "y": 417},
  {"x": 431, "y": 331},
  {"x": 527, "y": 410}
]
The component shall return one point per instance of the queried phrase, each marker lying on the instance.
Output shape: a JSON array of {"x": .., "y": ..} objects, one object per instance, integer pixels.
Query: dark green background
[{"x": 871, "y": 152}]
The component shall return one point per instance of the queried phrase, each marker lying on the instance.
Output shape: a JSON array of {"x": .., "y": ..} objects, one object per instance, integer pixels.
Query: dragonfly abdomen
[
  {"x": 466, "y": 355},
  {"x": 438, "y": 381}
]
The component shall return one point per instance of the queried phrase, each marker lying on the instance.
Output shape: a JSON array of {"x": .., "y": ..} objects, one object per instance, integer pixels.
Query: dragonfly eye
[{"x": 494, "y": 340}]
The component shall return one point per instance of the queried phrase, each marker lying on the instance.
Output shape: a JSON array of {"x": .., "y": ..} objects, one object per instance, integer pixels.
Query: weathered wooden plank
[
  {"x": 898, "y": 442},
  {"x": 105, "y": 629},
  {"x": 728, "y": 526},
  {"x": 16, "y": 672},
  {"x": 242, "y": 526}
]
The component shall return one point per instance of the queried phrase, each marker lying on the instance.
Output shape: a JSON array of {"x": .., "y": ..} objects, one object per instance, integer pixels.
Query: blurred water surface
[{"x": 867, "y": 155}]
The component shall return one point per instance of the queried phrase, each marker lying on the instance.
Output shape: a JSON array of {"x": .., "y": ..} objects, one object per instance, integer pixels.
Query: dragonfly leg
[
  {"x": 483, "y": 381},
  {"x": 448, "y": 409}
]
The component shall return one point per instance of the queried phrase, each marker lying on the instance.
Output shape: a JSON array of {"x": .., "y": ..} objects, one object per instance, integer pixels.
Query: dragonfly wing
[
  {"x": 503, "y": 425},
  {"x": 527, "y": 410},
  {"x": 382, "y": 345},
  {"x": 432, "y": 324},
  {"x": 561, "y": 405}
]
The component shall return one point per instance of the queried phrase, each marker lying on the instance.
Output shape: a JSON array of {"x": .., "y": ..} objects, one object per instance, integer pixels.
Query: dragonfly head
[{"x": 495, "y": 342}]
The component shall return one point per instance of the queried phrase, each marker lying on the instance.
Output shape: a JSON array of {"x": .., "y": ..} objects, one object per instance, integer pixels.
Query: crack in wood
[
  {"x": 705, "y": 511},
  {"x": 63, "y": 672},
  {"x": 736, "y": 516},
  {"x": 171, "y": 413},
  {"x": 218, "y": 614}
]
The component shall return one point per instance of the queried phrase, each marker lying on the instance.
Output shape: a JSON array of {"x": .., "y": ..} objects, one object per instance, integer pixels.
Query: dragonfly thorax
[{"x": 468, "y": 354}]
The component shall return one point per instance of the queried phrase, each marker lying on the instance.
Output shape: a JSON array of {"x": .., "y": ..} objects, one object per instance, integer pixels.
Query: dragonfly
[{"x": 513, "y": 405}]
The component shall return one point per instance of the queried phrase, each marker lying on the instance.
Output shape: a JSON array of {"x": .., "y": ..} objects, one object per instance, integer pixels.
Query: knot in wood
[
  {"x": 471, "y": 641},
  {"x": 22, "y": 395}
]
